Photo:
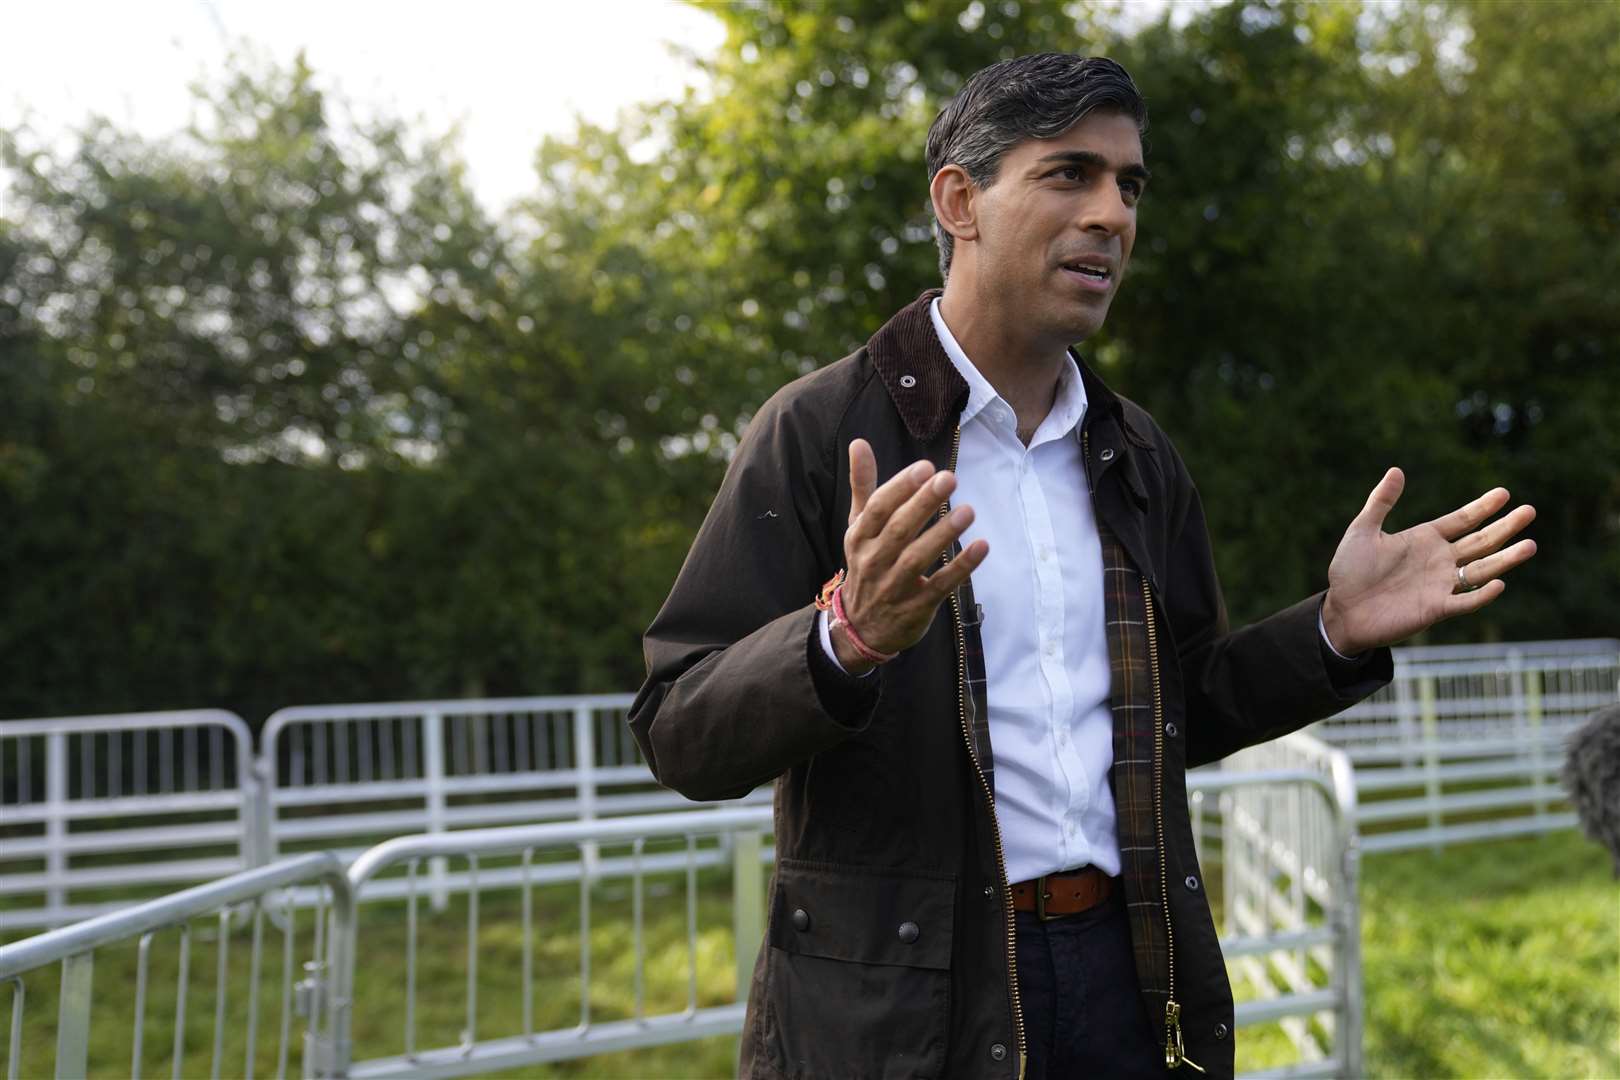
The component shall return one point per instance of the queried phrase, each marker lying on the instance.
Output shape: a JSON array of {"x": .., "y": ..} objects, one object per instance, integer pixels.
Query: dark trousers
[{"x": 1083, "y": 1011}]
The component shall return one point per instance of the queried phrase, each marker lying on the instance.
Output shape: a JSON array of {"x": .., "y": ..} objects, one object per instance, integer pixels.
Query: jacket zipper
[
  {"x": 989, "y": 796},
  {"x": 1175, "y": 1054}
]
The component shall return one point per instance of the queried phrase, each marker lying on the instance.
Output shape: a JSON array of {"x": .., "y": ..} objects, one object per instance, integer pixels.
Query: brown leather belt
[{"x": 1068, "y": 893}]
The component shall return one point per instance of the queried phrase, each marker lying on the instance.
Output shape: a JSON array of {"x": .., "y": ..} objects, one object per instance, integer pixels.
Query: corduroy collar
[{"x": 925, "y": 386}]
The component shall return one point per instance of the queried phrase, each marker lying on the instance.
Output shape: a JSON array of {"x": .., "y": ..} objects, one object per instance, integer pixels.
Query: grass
[{"x": 1487, "y": 960}]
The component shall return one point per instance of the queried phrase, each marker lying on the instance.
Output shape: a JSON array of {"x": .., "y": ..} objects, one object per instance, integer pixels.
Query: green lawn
[{"x": 1489, "y": 960}]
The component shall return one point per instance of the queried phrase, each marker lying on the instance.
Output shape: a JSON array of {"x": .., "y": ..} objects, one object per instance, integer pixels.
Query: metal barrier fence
[
  {"x": 1287, "y": 862},
  {"x": 1332, "y": 934},
  {"x": 75, "y": 949},
  {"x": 347, "y": 776},
  {"x": 1465, "y": 744},
  {"x": 1318, "y": 829},
  {"x": 1467, "y": 741},
  {"x": 96, "y": 804}
]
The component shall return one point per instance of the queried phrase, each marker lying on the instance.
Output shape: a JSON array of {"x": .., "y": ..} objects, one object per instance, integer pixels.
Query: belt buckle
[{"x": 1041, "y": 896}]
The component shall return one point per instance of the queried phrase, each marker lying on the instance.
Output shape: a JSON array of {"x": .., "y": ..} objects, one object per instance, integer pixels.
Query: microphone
[{"x": 1591, "y": 775}]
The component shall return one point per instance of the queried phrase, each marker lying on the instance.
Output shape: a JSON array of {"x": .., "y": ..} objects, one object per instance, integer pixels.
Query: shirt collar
[{"x": 1068, "y": 405}]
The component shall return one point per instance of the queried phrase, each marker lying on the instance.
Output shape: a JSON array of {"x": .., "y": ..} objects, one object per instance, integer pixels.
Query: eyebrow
[{"x": 1093, "y": 160}]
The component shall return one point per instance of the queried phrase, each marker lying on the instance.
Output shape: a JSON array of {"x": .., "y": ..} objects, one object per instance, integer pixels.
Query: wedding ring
[{"x": 1462, "y": 580}]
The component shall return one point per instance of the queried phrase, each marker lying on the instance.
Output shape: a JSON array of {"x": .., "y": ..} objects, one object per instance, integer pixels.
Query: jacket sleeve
[
  {"x": 1261, "y": 681},
  {"x": 734, "y": 693}
]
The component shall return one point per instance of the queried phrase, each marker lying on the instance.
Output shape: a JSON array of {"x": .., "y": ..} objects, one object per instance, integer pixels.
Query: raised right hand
[{"x": 889, "y": 596}]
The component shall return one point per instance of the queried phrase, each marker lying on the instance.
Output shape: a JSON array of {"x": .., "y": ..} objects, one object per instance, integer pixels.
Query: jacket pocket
[{"x": 859, "y": 977}]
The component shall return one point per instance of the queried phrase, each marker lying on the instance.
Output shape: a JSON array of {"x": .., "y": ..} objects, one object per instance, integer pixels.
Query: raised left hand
[{"x": 1385, "y": 587}]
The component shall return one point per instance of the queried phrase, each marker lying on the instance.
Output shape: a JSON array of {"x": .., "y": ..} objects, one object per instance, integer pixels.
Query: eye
[
  {"x": 1068, "y": 172},
  {"x": 1132, "y": 190}
]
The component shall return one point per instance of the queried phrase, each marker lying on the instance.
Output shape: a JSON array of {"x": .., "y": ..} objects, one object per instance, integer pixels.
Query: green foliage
[{"x": 288, "y": 417}]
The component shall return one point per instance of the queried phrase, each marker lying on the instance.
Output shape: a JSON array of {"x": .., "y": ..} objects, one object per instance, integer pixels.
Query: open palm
[{"x": 1385, "y": 587}]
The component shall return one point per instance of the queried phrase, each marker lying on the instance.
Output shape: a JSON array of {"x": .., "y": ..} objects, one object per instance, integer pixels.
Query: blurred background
[
  {"x": 397, "y": 358},
  {"x": 353, "y": 353}
]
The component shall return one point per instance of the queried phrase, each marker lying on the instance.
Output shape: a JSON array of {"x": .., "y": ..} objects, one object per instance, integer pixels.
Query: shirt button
[
  {"x": 998, "y": 1052},
  {"x": 909, "y": 932}
]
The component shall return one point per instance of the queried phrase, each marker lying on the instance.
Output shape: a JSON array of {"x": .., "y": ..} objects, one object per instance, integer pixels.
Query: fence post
[
  {"x": 1431, "y": 756},
  {"x": 73, "y": 1017},
  {"x": 56, "y": 799},
  {"x": 1403, "y": 712},
  {"x": 585, "y": 785},
  {"x": 433, "y": 775},
  {"x": 1531, "y": 691},
  {"x": 747, "y": 906}
]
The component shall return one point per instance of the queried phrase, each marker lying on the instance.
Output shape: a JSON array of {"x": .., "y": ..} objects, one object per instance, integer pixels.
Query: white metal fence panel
[
  {"x": 215, "y": 913},
  {"x": 348, "y": 776},
  {"x": 1455, "y": 693},
  {"x": 1466, "y": 743},
  {"x": 1289, "y": 872},
  {"x": 93, "y": 805}
]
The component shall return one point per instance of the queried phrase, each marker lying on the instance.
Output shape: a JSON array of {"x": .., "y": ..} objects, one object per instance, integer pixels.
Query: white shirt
[{"x": 1045, "y": 649}]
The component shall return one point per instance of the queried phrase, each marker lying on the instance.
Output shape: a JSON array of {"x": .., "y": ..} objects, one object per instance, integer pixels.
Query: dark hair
[{"x": 1028, "y": 97}]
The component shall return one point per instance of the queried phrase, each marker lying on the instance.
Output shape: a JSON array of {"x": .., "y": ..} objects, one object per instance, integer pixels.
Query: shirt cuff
[
  {"x": 824, "y": 628},
  {"x": 1321, "y": 625}
]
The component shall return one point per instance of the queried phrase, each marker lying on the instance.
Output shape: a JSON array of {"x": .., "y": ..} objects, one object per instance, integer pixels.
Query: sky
[{"x": 510, "y": 72}]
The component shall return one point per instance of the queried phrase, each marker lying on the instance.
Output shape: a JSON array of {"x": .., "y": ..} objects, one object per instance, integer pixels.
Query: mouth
[{"x": 1092, "y": 274}]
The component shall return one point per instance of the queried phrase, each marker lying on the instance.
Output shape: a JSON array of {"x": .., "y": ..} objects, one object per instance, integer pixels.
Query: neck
[{"x": 1022, "y": 365}]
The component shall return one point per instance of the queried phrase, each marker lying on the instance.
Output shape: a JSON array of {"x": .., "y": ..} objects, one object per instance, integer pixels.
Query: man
[{"x": 984, "y": 861}]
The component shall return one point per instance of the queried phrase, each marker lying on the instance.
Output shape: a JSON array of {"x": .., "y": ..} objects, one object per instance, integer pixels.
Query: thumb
[
  {"x": 862, "y": 476},
  {"x": 1385, "y": 494}
]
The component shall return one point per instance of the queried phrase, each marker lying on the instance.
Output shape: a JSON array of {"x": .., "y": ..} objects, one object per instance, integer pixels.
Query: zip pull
[{"x": 1175, "y": 1052}]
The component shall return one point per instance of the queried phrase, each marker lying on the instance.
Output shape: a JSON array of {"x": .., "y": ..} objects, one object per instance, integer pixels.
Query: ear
[{"x": 955, "y": 203}]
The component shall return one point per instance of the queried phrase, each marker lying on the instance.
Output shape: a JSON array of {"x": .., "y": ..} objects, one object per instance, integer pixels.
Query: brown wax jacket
[{"x": 885, "y": 786}]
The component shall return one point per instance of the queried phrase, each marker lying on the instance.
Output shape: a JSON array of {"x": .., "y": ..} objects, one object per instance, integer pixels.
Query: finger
[
  {"x": 944, "y": 581},
  {"x": 902, "y": 526},
  {"x": 1479, "y": 544},
  {"x": 1467, "y": 602},
  {"x": 922, "y": 552},
  {"x": 1482, "y": 571},
  {"x": 1385, "y": 494},
  {"x": 1466, "y": 519},
  {"x": 884, "y": 501},
  {"x": 862, "y": 476}
]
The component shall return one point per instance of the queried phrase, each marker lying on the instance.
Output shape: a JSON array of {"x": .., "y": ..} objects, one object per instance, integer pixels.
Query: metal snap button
[
  {"x": 1170, "y": 728},
  {"x": 1220, "y": 1031},
  {"x": 801, "y": 919},
  {"x": 989, "y": 891},
  {"x": 1107, "y": 454},
  {"x": 1191, "y": 883},
  {"x": 909, "y": 932},
  {"x": 908, "y": 381},
  {"x": 998, "y": 1052}
]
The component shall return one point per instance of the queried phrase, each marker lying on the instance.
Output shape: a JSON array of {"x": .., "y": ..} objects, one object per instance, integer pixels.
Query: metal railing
[
  {"x": 1322, "y": 839},
  {"x": 346, "y": 776},
  {"x": 1289, "y": 870},
  {"x": 75, "y": 947},
  {"x": 588, "y": 1036},
  {"x": 69, "y": 785},
  {"x": 1467, "y": 741},
  {"x": 1465, "y": 744}
]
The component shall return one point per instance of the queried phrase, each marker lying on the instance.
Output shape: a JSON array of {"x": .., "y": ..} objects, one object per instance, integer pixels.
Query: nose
[{"x": 1105, "y": 211}]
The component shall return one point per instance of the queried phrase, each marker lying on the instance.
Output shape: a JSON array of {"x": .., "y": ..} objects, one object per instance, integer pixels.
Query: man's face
[{"x": 1057, "y": 226}]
